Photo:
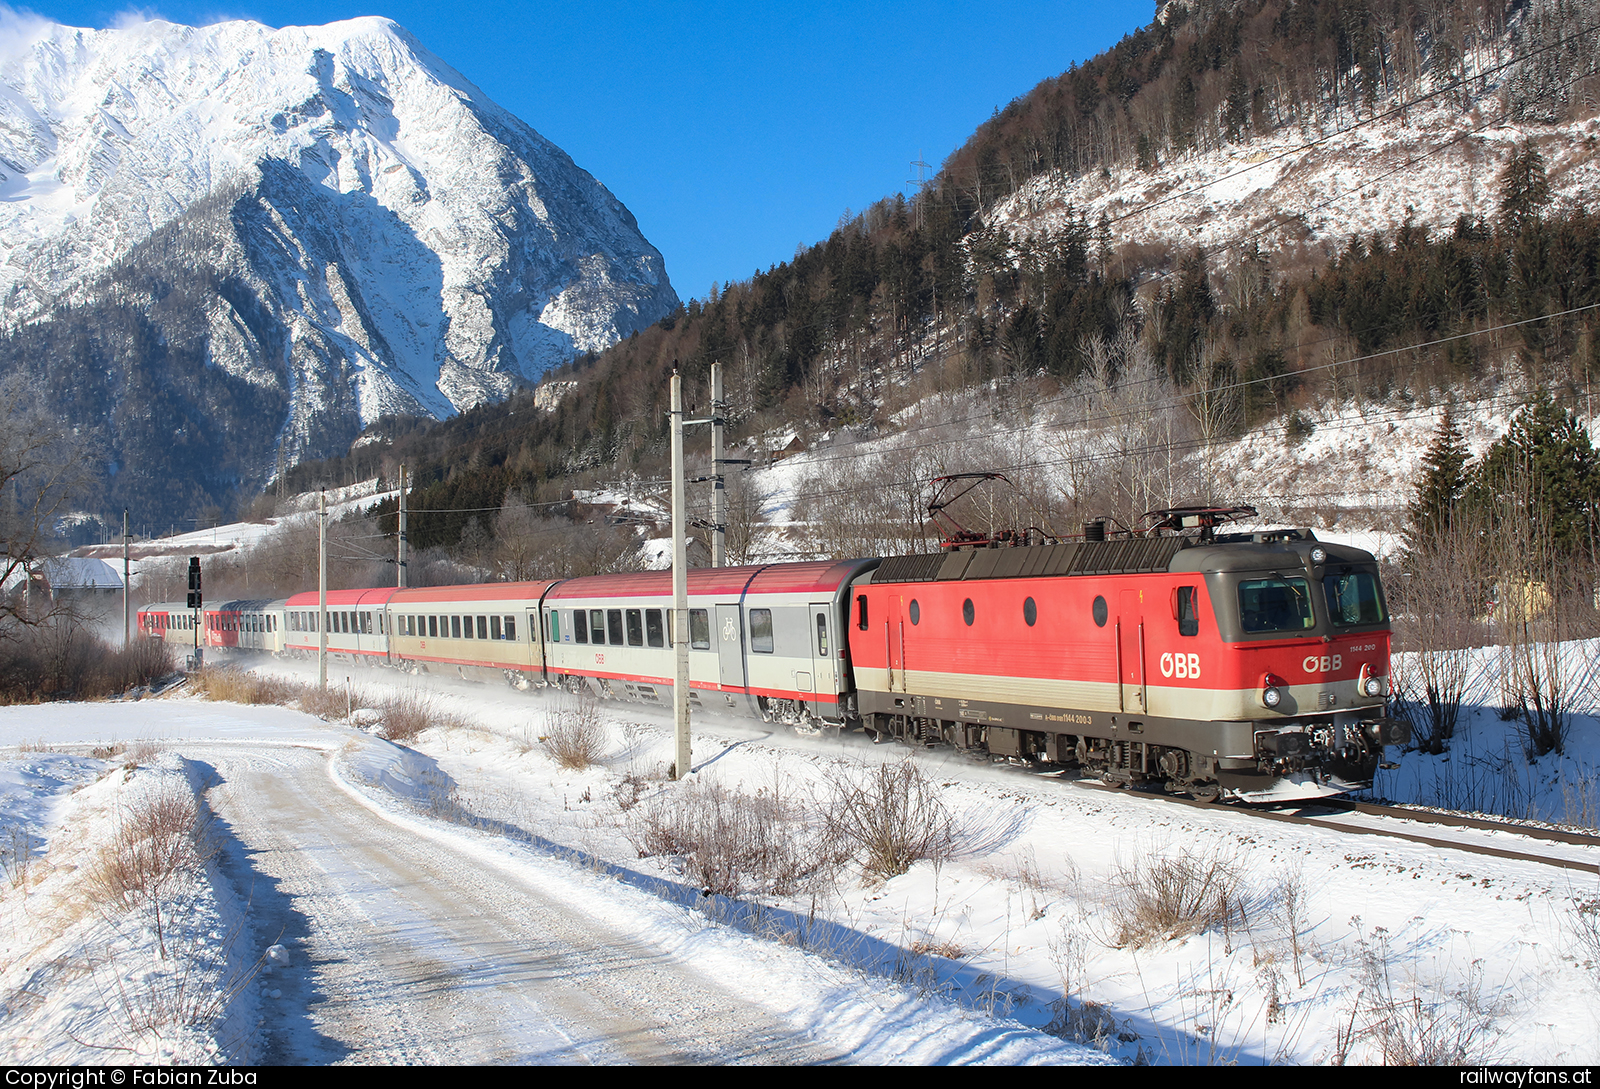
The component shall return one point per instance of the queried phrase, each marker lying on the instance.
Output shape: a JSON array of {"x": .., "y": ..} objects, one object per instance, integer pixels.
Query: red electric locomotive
[{"x": 1252, "y": 665}]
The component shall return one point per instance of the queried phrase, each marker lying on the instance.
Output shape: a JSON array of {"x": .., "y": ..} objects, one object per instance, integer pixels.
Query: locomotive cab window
[
  {"x": 1275, "y": 604},
  {"x": 1188, "y": 618},
  {"x": 1354, "y": 598}
]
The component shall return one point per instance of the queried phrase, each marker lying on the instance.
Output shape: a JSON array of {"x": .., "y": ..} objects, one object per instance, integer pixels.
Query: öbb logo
[
  {"x": 1325, "y": 664},
  {"x": 1180, "y": 665}
]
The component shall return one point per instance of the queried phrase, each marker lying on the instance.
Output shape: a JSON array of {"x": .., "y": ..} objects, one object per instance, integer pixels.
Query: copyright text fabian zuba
[{"x": 130, "y": 1076}]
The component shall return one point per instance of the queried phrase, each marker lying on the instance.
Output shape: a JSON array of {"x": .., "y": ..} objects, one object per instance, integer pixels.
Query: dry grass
[
  {"x": 403, "y": 716},
  {"x": 891, "y": 818},
  {"x": 1585, "y": 924},
  {"x": 329, "y": 704},
  {"x": 574, "y": 736},
  {"x": 1158, "y": 898},
  {"x": 239, "y": 686},
  {"x": 730, "y": 842},
  {"x": 160, "y": 842},
  {"x": 1415, "y": 1023}
]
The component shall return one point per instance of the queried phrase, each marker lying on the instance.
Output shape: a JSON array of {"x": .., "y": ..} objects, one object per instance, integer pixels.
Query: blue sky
[{"x": 733, "y": 132}]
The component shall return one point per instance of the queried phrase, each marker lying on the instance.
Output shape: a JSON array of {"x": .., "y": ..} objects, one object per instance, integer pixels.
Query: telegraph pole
[
  {"x": 680, "y": 590},
  {"x": 400, "y": 559},
  {"x": 322, "y": 590},
  {"x": 719, "y": 498},
  {"x": 127, "y": 627}
]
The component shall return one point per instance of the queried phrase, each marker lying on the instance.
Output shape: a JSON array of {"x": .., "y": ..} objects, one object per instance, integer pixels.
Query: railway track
[{"x": 1521, "y": 842}]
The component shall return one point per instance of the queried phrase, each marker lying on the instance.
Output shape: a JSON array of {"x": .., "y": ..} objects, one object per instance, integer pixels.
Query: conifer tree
[
  {"x": 1444, "y": 482},
  {"x": 1549, "y": 447}
]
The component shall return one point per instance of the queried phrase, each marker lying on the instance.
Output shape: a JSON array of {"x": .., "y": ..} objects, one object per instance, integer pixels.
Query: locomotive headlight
[
  {"x": 1319, "y": 555},
  {"x": 1368, "y": 684},
  {"x": 1271, "y": 697}
]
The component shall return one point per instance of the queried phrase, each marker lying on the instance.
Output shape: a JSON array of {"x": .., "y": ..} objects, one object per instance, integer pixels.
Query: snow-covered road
[{"x": 408, "y": 949}]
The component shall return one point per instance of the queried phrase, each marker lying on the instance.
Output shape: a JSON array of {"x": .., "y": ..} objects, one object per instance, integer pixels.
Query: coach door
[
  {"x": 824, "y": 654},
  {"x": 1130, "y": 652},
  {"x": 729, "y": 634}
]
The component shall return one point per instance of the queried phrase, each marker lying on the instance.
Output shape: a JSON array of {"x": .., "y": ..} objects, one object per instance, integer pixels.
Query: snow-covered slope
[
  {"x": 1310, "y": 190},
  {"x": 382, "y": 226}
]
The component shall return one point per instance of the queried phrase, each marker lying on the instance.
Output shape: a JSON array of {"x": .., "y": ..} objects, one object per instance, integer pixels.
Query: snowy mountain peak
[{"x": 397, "y": 242}]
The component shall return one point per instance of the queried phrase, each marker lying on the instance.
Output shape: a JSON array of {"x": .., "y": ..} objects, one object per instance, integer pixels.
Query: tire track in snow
[{"x": 407, "y": 951}]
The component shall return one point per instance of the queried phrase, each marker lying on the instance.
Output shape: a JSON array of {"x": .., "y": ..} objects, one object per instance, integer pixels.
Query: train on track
[{"x": 1249, "y": 665}]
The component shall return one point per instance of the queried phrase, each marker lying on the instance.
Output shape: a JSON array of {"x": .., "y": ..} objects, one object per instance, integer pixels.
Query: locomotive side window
[
  {"x": 967, "y": 612},
  {"x": 1100, "y": 612},
  {"x": 1030, "y": 612},
  {"x": 861, "y": 611},
  {"x": 1188, "y": 619},
  {"x": 635, "y": 628},
  {"x": 699, "y": 629},
  {"x": 1354, "y": 598},
  {"x": 652, "y": 628},
  {"x": 1275, "y": 604},
  {"x": 916, "y": 612},
  {"x": 761, "y": 631}
]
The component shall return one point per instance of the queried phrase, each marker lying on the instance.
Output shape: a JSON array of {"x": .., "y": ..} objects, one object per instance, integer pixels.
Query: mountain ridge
[{"x": 389, "y": 229}]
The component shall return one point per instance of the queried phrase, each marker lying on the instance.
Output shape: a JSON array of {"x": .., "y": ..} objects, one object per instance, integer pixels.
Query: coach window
[
  {"x": 455, "y": 627},
  {"x": 635, "y": 628},
  {"x": 614, "y": 627},
  {"x": 597, "y": 627},
  {"x": 1100, "y": 612},
  {"x": 1030, "y": 612},
  {"x": 653, "y": 633},
  {"x": 916, "y": 612},
  {"x": 580, "y": 626},
  {"x": 1188, "y": 618},
  {"x": 967, "y": 612},
  {"x": 433, "y": 627},
  {"x": 483, "y": 627},
  {"x": 700, "y": 629},
  {"x": 861, "y": 611},
  {"x": 761, "y": 631},
  {"x": 494, "y": 627},
  {"x": 511, "y": 629}
]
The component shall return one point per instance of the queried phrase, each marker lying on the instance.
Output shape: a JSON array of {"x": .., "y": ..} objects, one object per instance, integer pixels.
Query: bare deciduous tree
[{"x": 42, "y": 467}]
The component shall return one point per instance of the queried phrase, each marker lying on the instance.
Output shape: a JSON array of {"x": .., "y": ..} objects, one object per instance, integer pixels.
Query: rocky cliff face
[{"x": 280, "y": 235}]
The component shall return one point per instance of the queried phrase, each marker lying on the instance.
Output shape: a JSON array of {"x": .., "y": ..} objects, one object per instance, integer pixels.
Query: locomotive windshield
[
  {"x": 1354, "y": 598},
  {"x": 1275, "y": 604}
]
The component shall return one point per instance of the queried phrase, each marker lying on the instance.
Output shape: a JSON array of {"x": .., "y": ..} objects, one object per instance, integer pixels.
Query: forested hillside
[{"x": 930, "y": 296}]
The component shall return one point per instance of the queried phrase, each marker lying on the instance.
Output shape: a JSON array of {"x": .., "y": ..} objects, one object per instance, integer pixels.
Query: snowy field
[{"x": 1019, "y": 945}]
